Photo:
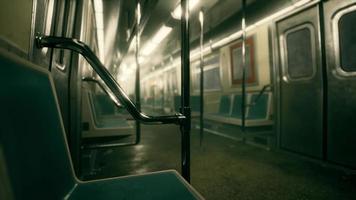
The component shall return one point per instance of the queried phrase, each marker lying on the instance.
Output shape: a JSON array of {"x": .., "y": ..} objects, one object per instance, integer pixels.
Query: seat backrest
[
  {"x": 225, "y": 105},
  {"x": 103, "y": 104},
  {"x": 195, "y": 103},
  {"x": 236, "y": 106},
  {"x": 31, "y": 132},
  {"x": 259, "y": 108}
]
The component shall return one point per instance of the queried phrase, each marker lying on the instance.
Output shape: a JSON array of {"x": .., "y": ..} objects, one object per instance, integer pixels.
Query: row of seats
[
  {"x": 34, "y": 156},
  {"x": 257, "y": 112}
]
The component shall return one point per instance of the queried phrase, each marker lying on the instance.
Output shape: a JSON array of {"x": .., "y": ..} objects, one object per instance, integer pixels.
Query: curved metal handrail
[
  {"x": 102, "y": 87},
  {"x": 262, "y": 91},
  {"x": 109, "y": 80}
]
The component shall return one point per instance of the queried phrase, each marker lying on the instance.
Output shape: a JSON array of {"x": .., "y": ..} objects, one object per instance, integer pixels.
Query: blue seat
[
  {"x": 258, "y": 109},
  {"x": 195, "y": 103},
  {"x": 34, "y": 153},
  {"x": 236, "y": 106},
  {"x": 225, "y": 105}
]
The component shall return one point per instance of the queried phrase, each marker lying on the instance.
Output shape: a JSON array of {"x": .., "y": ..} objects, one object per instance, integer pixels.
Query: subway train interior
[{"x": 178, "y": 99}]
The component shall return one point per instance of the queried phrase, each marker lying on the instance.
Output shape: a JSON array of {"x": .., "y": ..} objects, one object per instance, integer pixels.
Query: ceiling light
[
  {"x": 161, "y": 34},
  {"x": 177, "y": 13},
  {"x": 156, "y": 40}
]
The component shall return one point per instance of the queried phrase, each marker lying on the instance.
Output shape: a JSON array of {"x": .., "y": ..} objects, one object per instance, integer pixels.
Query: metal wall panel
[
  {"x": 301, "y": 97},
  {"x": 341, "y": 133}
]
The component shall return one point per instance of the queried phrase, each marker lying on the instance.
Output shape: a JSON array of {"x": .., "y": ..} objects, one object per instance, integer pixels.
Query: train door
[
  {"x": 301, "y": 84},
  {"x": 60, "y": 69},
  {"x": 340, "y": 19}
]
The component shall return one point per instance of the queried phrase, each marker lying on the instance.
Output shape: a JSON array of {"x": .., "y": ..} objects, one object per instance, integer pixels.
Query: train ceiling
[{"x": 120, "y": 24}]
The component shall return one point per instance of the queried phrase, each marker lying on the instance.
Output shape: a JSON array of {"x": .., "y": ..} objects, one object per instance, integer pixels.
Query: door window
[
  {"x": 344, "y": 29},
  {"x": 300, "y": 52}
]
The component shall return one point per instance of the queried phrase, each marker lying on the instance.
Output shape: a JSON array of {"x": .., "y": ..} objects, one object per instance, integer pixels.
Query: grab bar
[
  {"x": 102, "y": 87},
  {"x": 109, "y": 80},
  {"x": 117, "y": 104},
  {"x": 262, "y": 91}
]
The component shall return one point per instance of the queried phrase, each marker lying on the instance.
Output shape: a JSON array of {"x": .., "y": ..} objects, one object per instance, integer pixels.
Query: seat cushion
[{"x": 158, "y": 185}]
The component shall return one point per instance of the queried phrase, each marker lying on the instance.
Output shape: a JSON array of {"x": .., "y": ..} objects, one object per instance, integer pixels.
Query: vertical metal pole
[
  {"x": 243, "y": 84},
  {"x": 137, "y": 82},
  {"x": 201, "y": 20},
  {"x": 185, "y": 90}
]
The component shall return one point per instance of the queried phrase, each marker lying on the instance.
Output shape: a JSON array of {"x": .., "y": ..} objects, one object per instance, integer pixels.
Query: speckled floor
[{"x": 224, "y": 169}]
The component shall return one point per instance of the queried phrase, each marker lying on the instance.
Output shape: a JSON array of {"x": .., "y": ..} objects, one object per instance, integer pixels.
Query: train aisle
[{"x": 223, "y": 168}]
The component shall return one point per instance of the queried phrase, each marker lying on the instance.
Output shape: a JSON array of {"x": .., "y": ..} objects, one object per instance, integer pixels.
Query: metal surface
[
  {"x": 201, "y": 19},
  {"x": 341, "y": 96},
  {"x": 138, "y": 78},
  {"x": 243, "y": 84},
  {"x": 104, "y": 74},
  {"x": 185, "y": 96},
  {"x": 301, "y": 100}
]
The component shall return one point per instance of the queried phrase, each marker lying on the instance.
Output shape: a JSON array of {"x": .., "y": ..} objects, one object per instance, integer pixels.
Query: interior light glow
[
  {"x": 138, "y": 13},
  {"x": 177, "y": 13},
  {"x": 99, "y": 20},
  {"x": 201, "y": 17},
  {"x": 161, "y": 34},
  {"x": 98, "y": 6},
  {"x": 234, "y": 36}
]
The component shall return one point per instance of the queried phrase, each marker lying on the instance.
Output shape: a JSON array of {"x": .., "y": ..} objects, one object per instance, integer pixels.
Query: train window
[
  {"x": 347, "y": 40},
  {"x": 211, "y": 73},
  {"x": 300, "y": 51},
  {"x": 236, "y": 62}
]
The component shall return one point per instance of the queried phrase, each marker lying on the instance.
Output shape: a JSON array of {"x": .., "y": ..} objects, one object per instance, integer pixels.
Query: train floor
[{"x": 222, "y": 168}]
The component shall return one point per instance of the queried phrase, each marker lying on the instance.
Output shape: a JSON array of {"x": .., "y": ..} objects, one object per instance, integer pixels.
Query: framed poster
[{"x": 236, "y": 62}]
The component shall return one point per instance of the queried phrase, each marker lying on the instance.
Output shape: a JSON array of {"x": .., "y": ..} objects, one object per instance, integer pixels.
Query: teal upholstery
[
  {"x": 103, "y": 104},
  {"x": 102, "y": 121},
  {"x": 148, "y": 187},
  {"x": 258, "y": 110},
  {"x": 236, "y": 106},
  {"x": 32, "y": 133},
  {"x": 195, "y": 103},
  {"x": 34, "y": 148},
  {"x": 225, "y": 105}
]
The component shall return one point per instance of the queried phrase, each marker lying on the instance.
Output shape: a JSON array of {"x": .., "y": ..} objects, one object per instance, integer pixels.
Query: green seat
[
  {"x": 103, "y": 104},
  {"x": 195, "y": 103},
  {"x": 101, "y": 115},
  {"x": 34, "y": 152},
  {"x": 225, "y": 105},
  {"x": 258, "y": 110},
  {"x": 236, "y": 106}
]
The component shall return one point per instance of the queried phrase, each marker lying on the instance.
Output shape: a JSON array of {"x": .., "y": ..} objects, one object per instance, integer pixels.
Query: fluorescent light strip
[
  {"x": 238, "y": 34},
  {"x": 161, "y": 34},
  {"x": 99, "y": 20},
  {"x": 195, "y": 54}
]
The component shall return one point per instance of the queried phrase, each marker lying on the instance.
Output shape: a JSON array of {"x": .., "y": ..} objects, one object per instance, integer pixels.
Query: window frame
[
  {"x": 249, "y": 80},
  {"x": 284, "y": 52},
  {"x": 336, "y": 37}
]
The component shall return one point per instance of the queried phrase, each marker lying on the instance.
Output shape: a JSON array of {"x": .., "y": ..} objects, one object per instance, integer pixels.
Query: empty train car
[{"x": 177, "y": 99}]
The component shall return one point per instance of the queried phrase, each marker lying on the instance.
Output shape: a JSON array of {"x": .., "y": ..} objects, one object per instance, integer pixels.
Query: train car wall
[{"x": 15, "y": 22}]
